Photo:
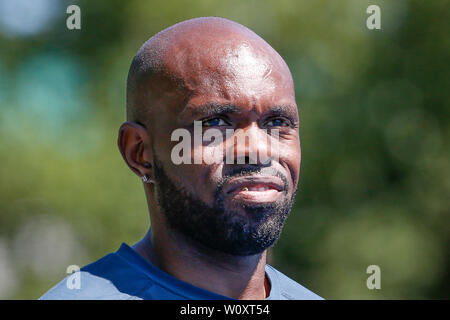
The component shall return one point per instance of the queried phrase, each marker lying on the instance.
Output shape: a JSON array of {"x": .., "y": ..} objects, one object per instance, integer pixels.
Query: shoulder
[
  {"x": 290, "y": 289},
  {"x": 83, "y": 285},
  {"x": 100, "y": 280}
]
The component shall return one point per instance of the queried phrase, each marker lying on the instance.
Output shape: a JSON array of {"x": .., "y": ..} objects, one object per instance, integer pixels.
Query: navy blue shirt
[{"x": 124, "y": 275}]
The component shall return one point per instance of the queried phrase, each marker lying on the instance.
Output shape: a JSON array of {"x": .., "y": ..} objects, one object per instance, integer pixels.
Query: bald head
[{"x": 197, "y": 55}]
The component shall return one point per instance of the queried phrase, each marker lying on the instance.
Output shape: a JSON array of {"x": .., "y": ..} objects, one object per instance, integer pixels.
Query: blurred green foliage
[{"x": 375, "y": 126}]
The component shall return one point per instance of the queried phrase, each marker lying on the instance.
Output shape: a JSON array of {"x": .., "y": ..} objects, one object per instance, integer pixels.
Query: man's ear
[{"x": 135, "y": 146}]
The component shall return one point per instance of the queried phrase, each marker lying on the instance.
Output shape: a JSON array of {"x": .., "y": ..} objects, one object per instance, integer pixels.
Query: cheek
[
  {"x": 290, "y": 158},
  {"x": 212, "y": 154},
  {"x": 190, "y": 169},
  {"x": 194, "y": 178}
]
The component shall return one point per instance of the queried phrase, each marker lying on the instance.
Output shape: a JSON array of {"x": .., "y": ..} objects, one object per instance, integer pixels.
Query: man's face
[{"x": 234, "y": 208}]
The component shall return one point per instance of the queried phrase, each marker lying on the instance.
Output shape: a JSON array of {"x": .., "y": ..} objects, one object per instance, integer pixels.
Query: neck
[{"x": 239, "y": 277}]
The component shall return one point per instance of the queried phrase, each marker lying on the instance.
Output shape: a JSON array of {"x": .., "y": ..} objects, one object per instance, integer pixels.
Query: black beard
[{"x": 215, "y": 228}]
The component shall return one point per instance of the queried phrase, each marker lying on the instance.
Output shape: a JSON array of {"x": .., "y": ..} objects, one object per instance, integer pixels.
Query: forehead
[{"x": 235, "y": 71}]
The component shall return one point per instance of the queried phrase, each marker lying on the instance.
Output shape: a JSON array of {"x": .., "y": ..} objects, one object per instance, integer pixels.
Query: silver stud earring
[
  {"x": 146, "y": 179},
  {"x": 147, "y": 165}
]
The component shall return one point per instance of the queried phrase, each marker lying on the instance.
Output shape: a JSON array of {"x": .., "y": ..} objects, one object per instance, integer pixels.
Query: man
[{"x": 212, "y": 222}]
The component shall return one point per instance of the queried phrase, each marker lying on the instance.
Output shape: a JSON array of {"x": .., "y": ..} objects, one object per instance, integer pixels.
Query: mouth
[{"x": 255, "y": 189}]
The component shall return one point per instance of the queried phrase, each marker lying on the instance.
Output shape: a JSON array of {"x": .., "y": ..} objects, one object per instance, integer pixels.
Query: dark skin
[{"x": 202, "y": 62}]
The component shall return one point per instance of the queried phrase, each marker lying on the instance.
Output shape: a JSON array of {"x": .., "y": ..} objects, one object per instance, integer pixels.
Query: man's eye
[
  {"x": 214, "y": 122},
  {"x": 278, "y": 122}
]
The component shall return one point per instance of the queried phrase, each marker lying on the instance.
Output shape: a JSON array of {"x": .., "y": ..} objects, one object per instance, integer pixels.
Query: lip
[{"x": 273, "y": 183}]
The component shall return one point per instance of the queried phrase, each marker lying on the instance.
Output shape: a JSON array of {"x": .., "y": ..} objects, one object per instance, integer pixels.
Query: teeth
[{"x": 255, "y": 188}]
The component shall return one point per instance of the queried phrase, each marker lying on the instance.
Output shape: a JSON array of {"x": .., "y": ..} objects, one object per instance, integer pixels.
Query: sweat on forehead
[{"x": 208, "y": 53}]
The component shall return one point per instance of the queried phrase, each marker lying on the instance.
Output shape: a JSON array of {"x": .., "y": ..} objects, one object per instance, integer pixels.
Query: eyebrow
[
  {"x": 209, "y": 109},
  {"x": 215, "y": 109},
  {"x": 285, "y": 110}
]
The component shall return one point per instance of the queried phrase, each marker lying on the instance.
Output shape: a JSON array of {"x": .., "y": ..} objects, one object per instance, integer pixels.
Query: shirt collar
[{"x": 183, "y": 288}]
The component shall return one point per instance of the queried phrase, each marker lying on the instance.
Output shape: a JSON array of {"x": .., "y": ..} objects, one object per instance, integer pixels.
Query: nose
[{"x": 249, "y": 145}]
